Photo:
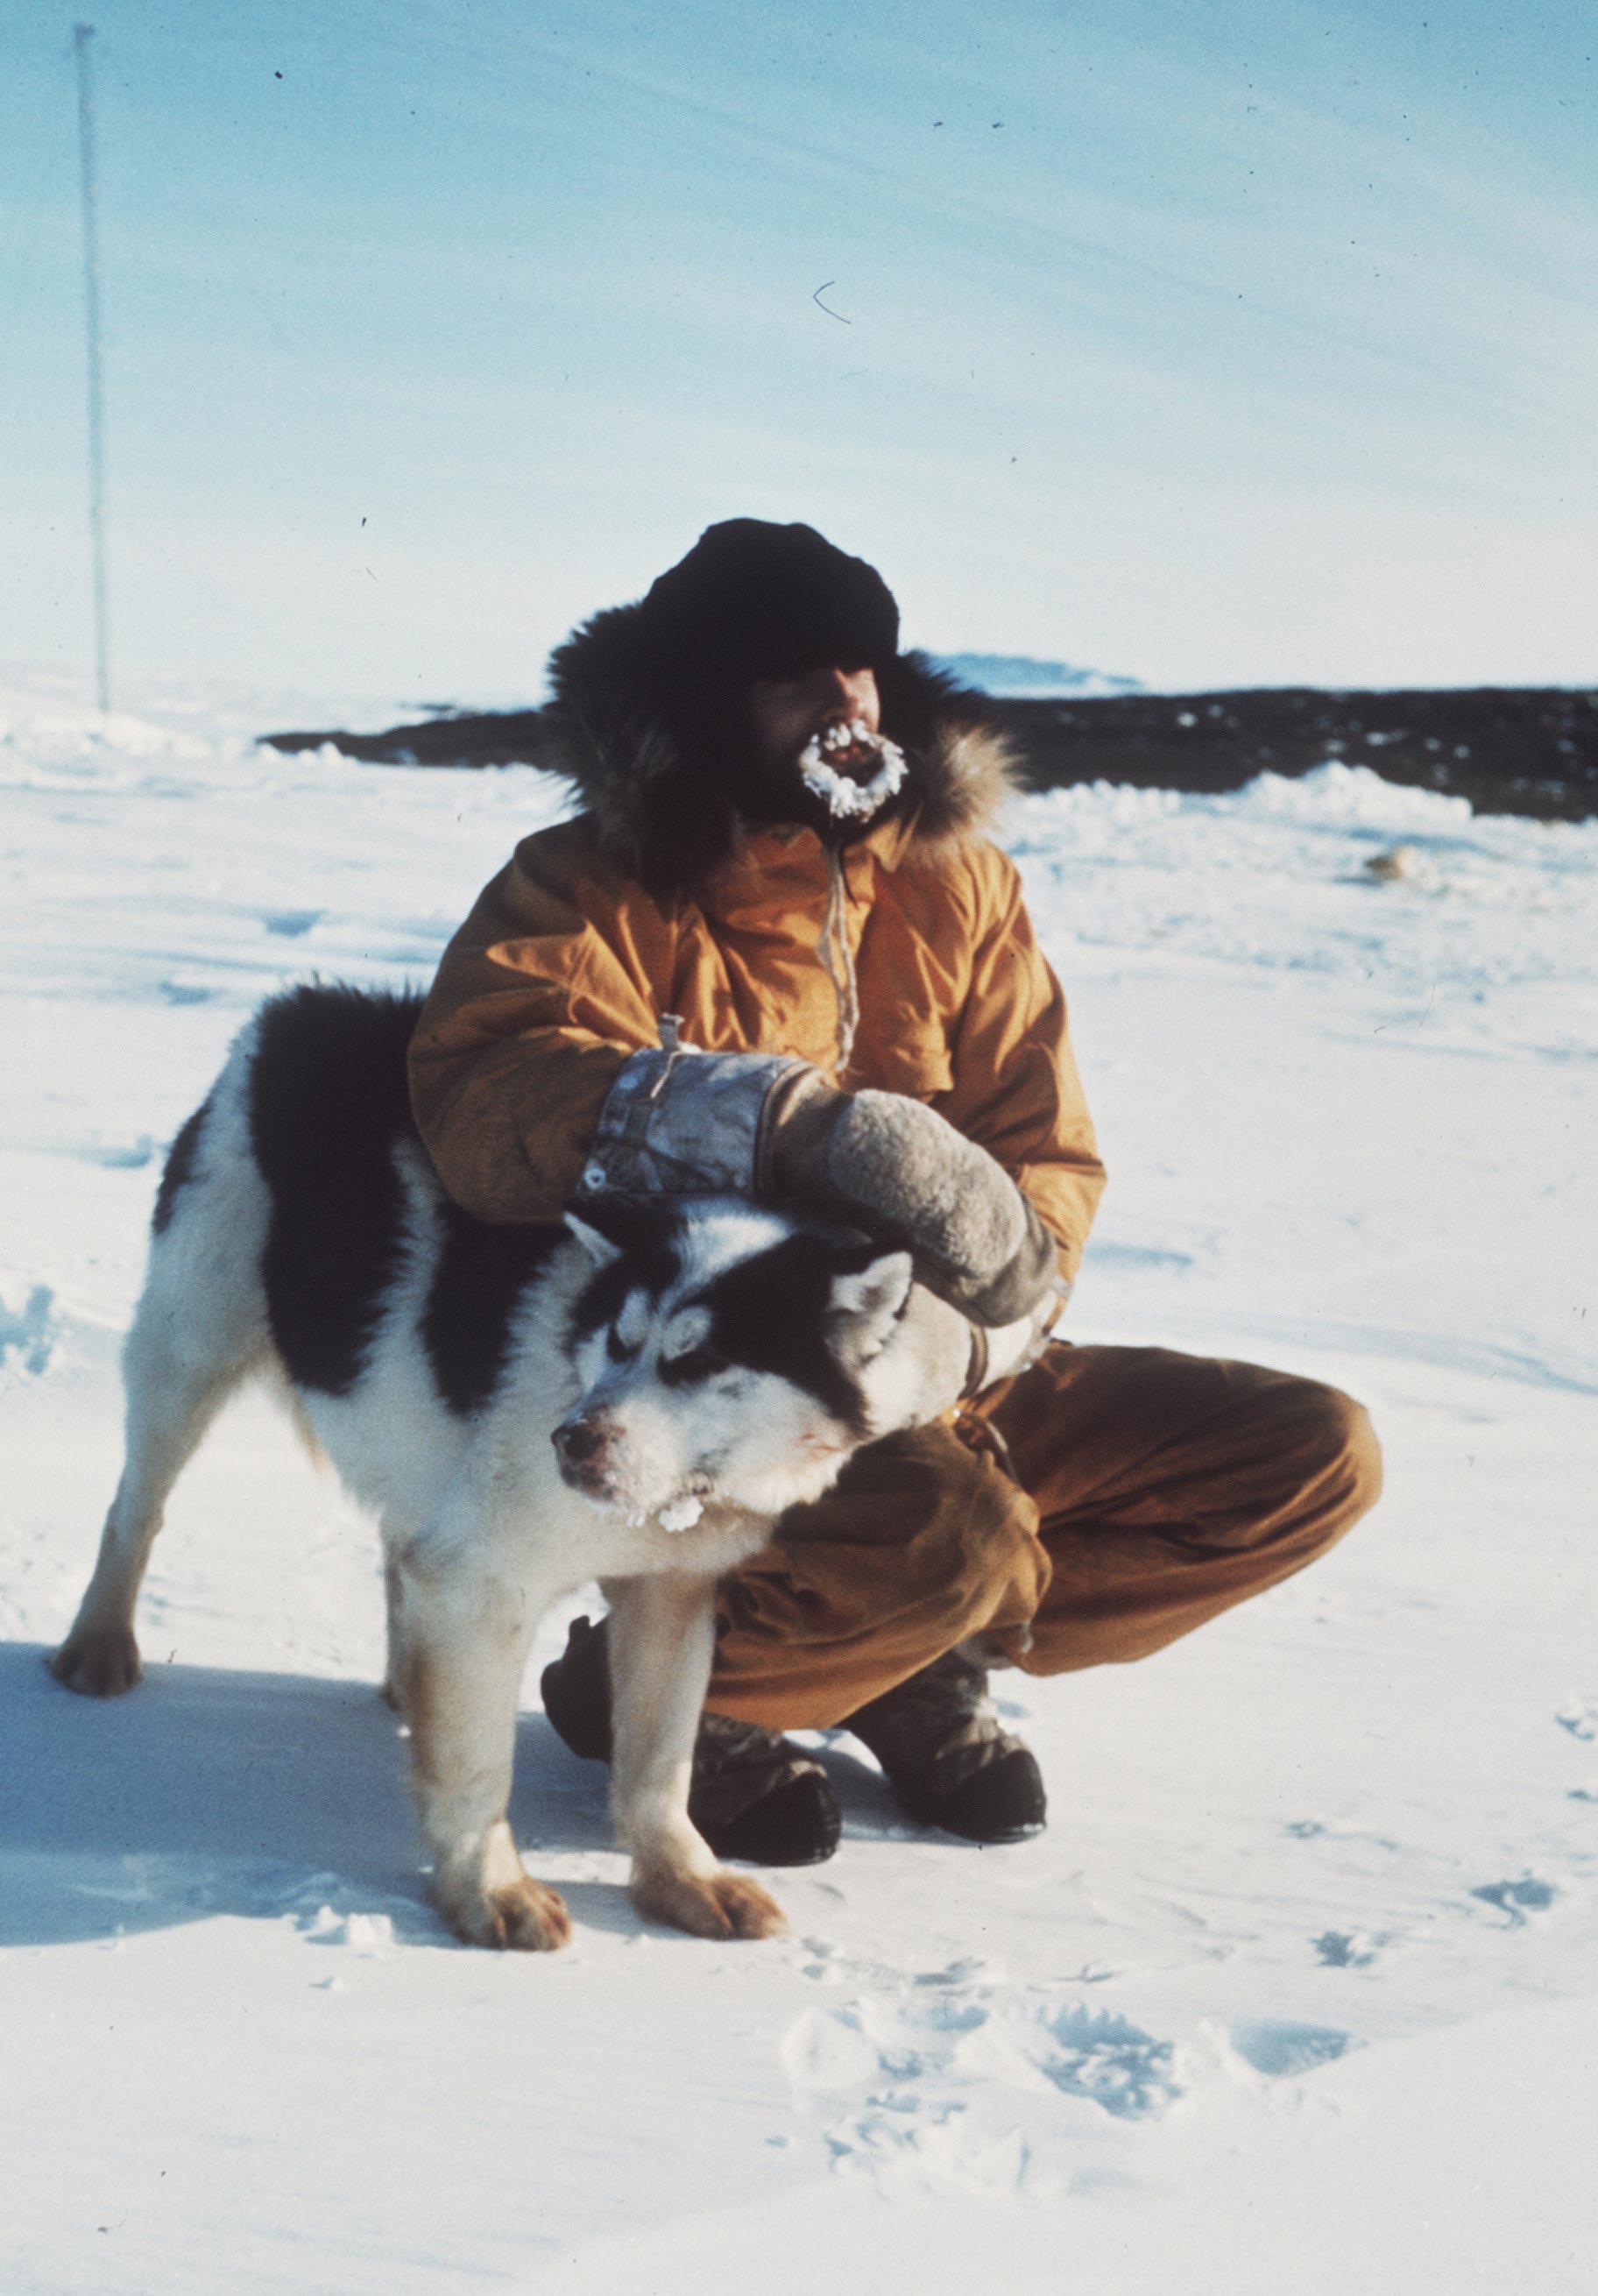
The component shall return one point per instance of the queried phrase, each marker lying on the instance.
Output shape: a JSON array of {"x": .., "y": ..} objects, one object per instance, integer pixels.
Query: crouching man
[{"x": 784, "y": 845}]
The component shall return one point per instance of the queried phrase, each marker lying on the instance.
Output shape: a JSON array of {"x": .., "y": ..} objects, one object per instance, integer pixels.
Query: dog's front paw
[
  {"x": 718, "y": 1904},
  {"x": 520, "y": 1916},
  {"x": 101, "y": 1662}
]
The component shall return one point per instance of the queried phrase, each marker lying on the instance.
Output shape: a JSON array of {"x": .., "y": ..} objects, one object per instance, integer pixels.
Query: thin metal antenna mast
[{"x": 82, "y": 35}]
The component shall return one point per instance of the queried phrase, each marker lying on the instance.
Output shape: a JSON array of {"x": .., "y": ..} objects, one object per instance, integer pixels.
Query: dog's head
[{"x": 731, "y": 1356}]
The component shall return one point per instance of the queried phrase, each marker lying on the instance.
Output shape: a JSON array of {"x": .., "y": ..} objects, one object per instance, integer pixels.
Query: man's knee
[
  {"x": 1000, "y": 1568},
  {"x": 963, "y": 1533},
  {"x": 1350, "y": 1453},
  {"x": 921, "y": 1544},
  {"x": 1292, "y": 1466}
]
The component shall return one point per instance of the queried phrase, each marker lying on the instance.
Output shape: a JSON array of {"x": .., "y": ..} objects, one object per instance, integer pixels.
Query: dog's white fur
[{"x": 483, "y": 1528}]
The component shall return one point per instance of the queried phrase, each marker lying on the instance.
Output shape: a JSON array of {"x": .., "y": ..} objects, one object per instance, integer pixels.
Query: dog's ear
[
  {"x": 868, "y": 1300},
  {"x": 599, "y": 1248},
  {"x": 609, "y": 1224}
]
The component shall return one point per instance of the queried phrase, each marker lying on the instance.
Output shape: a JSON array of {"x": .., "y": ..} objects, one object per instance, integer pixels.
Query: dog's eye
[
  {"x": 617, "y": 1347},
  {"x": 698, "y": 1364}
]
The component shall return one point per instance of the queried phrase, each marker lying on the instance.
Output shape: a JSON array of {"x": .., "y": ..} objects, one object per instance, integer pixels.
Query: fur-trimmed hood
[{"x": 662, "y": 758}]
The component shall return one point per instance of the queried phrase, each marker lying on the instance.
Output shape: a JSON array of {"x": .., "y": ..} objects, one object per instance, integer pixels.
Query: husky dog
[{"x": 632, "y": 1395}]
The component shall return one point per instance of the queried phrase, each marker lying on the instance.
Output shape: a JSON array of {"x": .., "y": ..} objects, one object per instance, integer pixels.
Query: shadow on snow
[{"x": 208, "y": 1790}]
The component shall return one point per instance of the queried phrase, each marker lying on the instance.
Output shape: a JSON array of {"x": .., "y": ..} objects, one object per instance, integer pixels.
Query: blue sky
[{"x": 1212, "y": 345}]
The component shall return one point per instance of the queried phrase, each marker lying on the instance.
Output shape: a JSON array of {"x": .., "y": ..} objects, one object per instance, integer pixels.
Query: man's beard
[
  {"x": 771, "y": 790},
  {"x": 851, "y": 770}
]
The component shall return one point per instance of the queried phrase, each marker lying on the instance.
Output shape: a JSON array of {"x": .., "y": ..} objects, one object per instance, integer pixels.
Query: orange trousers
[{"x": 1133, "y": 1494}]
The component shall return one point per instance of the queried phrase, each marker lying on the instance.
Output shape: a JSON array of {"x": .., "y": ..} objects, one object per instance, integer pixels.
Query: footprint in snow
[
  {"x": 935, "y": 2151},
  {"x": 971, "y": 1971},
  {"x": 1278, "y": 2049},
  {"x": 27, "y": 1333},
  {"x": 1114, "y": 2064},
  {"x": 1347, "y": 1948},
  {"x": 1579, "y": 1717},
  {"x": 1089, "y": 2053},
  {"x": 1518, "y": 1900},
  {"x": 952, "y": 2084}
]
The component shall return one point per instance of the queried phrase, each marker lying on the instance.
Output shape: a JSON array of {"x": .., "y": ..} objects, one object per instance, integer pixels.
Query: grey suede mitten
[{"x": 900, "y": 1170}]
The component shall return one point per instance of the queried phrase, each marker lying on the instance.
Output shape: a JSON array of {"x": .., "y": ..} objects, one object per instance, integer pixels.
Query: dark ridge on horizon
[{"x": 1520, "y": 749}]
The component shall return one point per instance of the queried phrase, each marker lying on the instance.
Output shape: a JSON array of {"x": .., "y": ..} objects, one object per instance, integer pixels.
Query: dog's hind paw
[
  {"x": 100, "y": 1662},
  {"x": 708, "y": 1905},
  {"x": 520, "y": 1917}
]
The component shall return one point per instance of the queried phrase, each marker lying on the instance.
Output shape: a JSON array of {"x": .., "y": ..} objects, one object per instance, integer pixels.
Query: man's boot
[
  {"x": 754, "y": 1795},
  {"x": 948, "y": 1756}
]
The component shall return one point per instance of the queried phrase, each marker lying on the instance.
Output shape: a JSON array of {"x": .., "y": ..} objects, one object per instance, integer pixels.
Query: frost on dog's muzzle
[
  {"x": 677, "y": 1515},
  {"x": 826, "y": 765},
  {"x": 588, "y": 1456}
]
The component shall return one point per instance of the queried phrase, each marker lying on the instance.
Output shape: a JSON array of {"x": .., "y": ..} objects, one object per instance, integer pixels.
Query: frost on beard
[{"x": 843, "y": 796}]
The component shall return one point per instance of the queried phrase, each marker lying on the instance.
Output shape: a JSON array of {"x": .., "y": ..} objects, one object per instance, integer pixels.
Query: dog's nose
[{"x": 577, "y": 1441}]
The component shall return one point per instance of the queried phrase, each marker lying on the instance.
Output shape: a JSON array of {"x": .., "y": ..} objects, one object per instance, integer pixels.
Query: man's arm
[
  {"x": 536, "y": 1070},
  {"x": 991, "y": 1188},
  {"x": 1016, "y": 1090},
  {"x": 542, "y": 996}
]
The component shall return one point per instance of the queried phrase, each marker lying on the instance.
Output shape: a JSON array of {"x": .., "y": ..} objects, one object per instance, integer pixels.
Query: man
[{"x": 784, "y": 845}]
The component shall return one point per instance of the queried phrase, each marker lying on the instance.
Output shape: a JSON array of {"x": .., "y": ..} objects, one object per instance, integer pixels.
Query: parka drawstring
[{"x": 838, "y": 957}]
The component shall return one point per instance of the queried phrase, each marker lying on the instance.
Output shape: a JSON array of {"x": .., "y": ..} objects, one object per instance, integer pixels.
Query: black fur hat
[
  {"x": 752, "y": 599},
  {"x": 650, "y": 703}
]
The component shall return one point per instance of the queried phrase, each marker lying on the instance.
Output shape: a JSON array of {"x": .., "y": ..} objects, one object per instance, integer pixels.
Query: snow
[{"x": 1298, "y": 1991}]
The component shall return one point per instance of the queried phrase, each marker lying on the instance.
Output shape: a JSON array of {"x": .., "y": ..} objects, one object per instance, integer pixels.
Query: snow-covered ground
[{"x": 1299, "y": 1993}]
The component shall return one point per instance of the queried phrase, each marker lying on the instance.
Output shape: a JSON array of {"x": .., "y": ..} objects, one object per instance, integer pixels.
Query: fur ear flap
[{"x": 869, "y": 1301}]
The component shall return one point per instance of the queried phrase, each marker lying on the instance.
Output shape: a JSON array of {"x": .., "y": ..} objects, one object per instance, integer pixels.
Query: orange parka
[{"x": 905, "y": 960}]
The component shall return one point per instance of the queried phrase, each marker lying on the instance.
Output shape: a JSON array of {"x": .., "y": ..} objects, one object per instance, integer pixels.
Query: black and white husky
[{"x": 631, "y": 1395}]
